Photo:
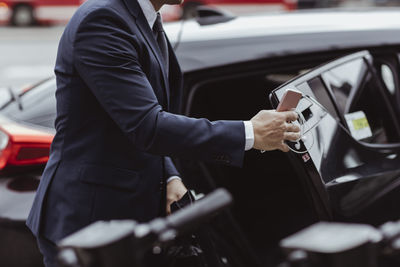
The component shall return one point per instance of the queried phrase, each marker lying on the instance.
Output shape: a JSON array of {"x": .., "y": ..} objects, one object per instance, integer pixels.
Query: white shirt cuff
[
  {"x": 173, "y": 178},
  {"x": 249, "y": 132}
]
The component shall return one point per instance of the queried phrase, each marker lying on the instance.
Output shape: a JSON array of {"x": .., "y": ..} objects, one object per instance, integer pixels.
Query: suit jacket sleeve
[
  {"x": 107, "y": 56},
  {"x": 170, "y": 169}
]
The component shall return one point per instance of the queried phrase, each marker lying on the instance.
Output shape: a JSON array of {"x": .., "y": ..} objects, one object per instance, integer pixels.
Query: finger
[
  {"x": 290, "y": 127},
  {"x": 168, "y": 209},
  {"x": 290, "y": 115},
  {"x": 291, "y": 136},
  {"x": 284, "y": 147}
]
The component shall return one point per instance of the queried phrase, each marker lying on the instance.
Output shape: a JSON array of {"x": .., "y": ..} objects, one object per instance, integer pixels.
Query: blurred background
[{"x": 31, "y": 28}]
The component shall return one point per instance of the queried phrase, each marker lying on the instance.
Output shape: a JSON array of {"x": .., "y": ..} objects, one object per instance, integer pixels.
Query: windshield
[{"x": 36, "y": 105}]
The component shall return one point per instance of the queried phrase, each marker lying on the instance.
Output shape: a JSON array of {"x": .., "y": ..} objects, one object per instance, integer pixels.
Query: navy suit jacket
[{"x": 117, "y": 124}]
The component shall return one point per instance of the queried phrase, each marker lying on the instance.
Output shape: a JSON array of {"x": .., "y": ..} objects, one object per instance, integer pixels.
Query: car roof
[{"x": 261, "y": 36}]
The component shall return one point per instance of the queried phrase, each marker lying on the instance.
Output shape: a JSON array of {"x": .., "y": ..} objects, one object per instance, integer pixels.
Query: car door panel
[{"x": 349, "y": 178}]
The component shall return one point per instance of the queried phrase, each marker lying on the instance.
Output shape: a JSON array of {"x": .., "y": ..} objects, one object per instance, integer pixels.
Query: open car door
[{"x": 349, "y": 162}]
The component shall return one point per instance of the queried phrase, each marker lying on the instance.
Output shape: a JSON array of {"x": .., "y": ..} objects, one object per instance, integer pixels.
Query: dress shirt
[
  {"x": 249, "y": 132},
  {"x": 149, "y": 12},
  {"x": 151, "y": 15}
]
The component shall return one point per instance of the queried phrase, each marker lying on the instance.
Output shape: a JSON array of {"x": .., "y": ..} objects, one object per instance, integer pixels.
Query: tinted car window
[
  {"x": 357, "y": 91},
  {"x": 37, "y": 105},
  {"x": 321, "y": 94},
  {"x": 344, "y": 81}
]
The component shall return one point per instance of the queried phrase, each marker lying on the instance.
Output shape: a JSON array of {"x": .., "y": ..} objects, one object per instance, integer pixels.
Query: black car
[
  {"x": 306, "y": 4},
  {"x": 231, "y": 70}
]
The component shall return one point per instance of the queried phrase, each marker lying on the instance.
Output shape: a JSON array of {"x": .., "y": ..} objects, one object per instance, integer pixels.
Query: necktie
[{"x": 161, "y": 40}]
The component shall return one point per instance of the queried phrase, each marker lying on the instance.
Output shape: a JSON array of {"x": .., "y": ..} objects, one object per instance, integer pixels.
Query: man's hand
[
  {"x": 175, "y": 191},
  {"x": 272, "y": 128}
]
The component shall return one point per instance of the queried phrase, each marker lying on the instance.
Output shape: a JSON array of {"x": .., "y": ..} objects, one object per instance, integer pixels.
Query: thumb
[{"x": 284, "y": 147}]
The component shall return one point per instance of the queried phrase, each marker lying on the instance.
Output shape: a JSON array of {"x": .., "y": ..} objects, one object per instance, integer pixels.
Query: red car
[
  {"x": 29, "y": 12},
  {"x": 26, "y": 129}
]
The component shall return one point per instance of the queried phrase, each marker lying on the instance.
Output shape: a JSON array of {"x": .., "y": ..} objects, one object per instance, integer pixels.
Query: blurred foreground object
[
  {"x": 327, "y": 244},
  {"x": 334, "y": 245},
  {"x": 124, "y": 243}
]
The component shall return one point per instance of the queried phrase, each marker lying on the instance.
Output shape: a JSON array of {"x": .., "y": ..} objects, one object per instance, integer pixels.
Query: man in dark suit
[{"x": 118, "y": 95}]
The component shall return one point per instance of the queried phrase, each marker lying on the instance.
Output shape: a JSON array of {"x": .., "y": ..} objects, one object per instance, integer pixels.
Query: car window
[
  {"x": 5, "y": 96},
  {"x": 36, "y": 105},
  {"x": 362, "y": 102},
  {"x": 344, "y": 81},
  {"x": 321, "y": 94}
]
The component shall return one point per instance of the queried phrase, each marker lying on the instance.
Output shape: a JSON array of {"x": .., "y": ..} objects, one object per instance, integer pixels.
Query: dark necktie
[{"x": 161, "y": 40}]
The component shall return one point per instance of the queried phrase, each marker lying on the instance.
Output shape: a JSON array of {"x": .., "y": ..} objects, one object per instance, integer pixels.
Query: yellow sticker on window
[{"x": 360, "y": 123}]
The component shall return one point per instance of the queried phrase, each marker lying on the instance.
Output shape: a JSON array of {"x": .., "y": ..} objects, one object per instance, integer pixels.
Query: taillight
[
  {"x": 35, "y": 153},
  {"x": 29, "y": 154},
  {"x": 22, "y": 153}
]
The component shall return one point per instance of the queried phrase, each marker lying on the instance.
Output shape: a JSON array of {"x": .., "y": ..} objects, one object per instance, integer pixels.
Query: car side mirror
[{"x": 209, "y": 16}]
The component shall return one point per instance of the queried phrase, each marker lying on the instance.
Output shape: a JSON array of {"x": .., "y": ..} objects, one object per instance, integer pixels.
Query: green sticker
[{"x": 360, "y": 123}]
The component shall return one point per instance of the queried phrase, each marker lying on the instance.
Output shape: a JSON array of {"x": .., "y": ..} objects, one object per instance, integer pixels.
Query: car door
[{"x": 349, "y": 162}]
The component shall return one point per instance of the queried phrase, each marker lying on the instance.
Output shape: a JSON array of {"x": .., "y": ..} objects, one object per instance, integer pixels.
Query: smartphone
[{"x": 289, "y": 100}]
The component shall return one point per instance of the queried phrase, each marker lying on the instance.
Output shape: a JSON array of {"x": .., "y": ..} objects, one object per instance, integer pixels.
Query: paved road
[{"x": 27, "y": 55}]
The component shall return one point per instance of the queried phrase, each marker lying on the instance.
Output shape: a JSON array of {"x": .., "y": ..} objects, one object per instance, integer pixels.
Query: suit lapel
[{"x": 143, "y": 25}]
